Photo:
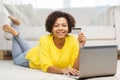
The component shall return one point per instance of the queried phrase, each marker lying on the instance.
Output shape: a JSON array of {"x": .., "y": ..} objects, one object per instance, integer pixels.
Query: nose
[{"x": 60, "y": 28}]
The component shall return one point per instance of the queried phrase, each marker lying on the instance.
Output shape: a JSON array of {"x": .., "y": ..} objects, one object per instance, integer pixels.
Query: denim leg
[
  {"x": 19, "y": 50},
  {"x": 23, "y": 43},
  {"x": 21, "y": 61},
  {"x": 16, "y": 48}
]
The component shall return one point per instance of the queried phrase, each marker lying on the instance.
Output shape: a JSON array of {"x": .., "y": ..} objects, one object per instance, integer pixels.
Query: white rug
[{"x": 9, "y": 71}]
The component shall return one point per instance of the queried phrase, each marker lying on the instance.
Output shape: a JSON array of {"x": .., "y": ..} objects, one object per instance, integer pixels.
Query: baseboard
[
  {"x": 5, "y": 55},
  {"x": 1, "y": 54},
  {"x": 119, "y": 55}
]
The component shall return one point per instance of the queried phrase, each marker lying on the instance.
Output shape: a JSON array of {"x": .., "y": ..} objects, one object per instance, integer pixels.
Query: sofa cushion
[
  {"x": 25, "y": 13},
  {"x": 42, "y": 15},
  {"x": 99, "y": 32},
  {"x": 80, "y": 15},
  {"x": 105, "y": 16},
  {"x": 29, "y": 33},
  {"x": 33, "y": 33}
]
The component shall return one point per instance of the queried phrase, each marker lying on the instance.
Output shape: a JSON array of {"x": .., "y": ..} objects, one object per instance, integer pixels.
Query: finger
[
  {"x": 81, "y": 36},
  {"x": 74, "y": 73},
  {"x": 81, "y": 33}
]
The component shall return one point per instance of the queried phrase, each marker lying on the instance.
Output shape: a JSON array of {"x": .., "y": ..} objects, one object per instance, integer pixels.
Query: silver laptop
[{"x": 98, "y": 61}]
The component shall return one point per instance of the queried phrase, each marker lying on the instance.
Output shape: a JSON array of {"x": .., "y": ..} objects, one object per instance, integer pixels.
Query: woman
[{"x": 56, "y": 52}]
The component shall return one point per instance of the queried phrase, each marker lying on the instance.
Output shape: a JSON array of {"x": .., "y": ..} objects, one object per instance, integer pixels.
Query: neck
[{"x": 59, "y": 43}]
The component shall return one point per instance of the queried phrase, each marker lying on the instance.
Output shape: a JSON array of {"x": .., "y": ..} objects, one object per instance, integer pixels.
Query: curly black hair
[{"x": 52, "y": 17}]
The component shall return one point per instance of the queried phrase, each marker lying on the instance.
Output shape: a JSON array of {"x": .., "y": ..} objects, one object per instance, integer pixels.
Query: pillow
[
  {"x": 25, "y": 13},
  {"x": 4, "y": 11}
]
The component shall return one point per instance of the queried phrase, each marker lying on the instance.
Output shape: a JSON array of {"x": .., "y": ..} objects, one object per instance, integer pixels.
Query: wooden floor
[{"x": 119, "y": 57}]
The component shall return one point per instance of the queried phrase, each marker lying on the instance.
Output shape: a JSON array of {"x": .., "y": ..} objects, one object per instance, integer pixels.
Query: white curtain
[
  {"x": 107, "y": 2},
  {"x": 63, "y": 3},
  {"x": 92, "y": 3},
  {"x": 38, "y": 3}
]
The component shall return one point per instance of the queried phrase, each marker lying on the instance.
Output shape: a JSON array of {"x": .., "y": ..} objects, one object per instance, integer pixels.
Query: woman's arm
[
  {"x": 76, "y": 63},
  {"x": 82, "y": 41},
  {"x": 66, "y": 71},
  {"x": 53, "y": 69}
]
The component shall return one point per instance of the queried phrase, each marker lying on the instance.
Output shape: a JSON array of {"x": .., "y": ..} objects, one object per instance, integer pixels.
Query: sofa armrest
[
  {"x": 117, "y": 26},
  {"x": 2, "y": 22}
]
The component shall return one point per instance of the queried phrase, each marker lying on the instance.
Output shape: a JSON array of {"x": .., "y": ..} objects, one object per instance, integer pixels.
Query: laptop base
[{"x": 95, "y": 77}]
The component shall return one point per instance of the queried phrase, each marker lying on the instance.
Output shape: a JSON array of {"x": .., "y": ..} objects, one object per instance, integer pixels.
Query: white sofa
[{"x": 97, "y": 23}]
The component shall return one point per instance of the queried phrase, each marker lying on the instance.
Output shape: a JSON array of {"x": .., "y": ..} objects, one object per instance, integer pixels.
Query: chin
[{"x": 61, "y": 37}]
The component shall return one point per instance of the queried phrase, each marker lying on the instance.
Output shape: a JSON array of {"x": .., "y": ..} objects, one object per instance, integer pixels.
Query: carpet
[{"x": 9, "y": 71}]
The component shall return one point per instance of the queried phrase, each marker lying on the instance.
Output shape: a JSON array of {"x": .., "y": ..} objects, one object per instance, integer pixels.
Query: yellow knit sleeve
[{"x": 45, "y": 59}]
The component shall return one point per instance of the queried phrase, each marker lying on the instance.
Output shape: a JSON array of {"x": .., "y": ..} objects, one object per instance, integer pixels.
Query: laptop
[{"x": 97, "y": 61}]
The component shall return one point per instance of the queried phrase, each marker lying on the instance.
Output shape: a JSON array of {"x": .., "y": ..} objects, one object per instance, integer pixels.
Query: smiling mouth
[{"x": 61, "y": 33}]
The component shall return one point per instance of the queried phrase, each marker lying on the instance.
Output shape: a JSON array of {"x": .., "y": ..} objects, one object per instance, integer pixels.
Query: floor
[
  {"x": 8, "y": 68},
  {"x": 13, "y": 68}
]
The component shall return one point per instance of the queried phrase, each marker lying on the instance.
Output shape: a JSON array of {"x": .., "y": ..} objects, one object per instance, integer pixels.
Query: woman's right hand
[
  {"x": 70, "y": 71},
  {"x": 81, "y": 39}
]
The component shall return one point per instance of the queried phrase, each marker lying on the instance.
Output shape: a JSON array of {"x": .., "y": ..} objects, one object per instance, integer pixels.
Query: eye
[
  {"x": 64, "y": 25},
  {"x": 55, "y": 25}
]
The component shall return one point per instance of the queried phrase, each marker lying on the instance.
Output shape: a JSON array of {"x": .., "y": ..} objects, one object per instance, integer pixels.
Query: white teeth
[{"x": 60, "y": 33}]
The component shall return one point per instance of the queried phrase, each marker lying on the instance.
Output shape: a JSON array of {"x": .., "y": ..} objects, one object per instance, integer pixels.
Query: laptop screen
[{"x": 98, "y": 60}]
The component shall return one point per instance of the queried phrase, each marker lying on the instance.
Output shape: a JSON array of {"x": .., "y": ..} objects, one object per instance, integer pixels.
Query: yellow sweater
[{"x": 47, "y": 54}]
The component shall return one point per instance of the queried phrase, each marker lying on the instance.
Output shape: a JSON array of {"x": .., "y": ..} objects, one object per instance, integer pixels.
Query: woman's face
[{"x": 60, "y": 28}]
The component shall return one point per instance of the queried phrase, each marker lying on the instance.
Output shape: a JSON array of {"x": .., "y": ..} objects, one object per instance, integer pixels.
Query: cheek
[
  {"x": 67, "y": 29},
  {"x": 53, "y": 31}
]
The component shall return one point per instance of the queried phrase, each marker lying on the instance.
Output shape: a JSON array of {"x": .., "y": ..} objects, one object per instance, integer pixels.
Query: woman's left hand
[{"x": 81, "y": 39}]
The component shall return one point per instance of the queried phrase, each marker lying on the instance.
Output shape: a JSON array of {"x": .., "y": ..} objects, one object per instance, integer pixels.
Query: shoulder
[
  {"x": 71, "y": 37},
  {"x": 46, "y": 38}
]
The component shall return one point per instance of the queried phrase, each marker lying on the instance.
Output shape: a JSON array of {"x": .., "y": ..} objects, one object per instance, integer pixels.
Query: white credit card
[{"x": 76, "y": 30}]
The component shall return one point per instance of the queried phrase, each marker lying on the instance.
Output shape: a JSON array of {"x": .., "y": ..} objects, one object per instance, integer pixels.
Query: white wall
[{"x": 0, "y": 1}]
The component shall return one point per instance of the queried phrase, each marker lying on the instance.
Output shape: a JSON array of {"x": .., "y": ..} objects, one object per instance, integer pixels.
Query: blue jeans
[{"x": 19, "y": 50}]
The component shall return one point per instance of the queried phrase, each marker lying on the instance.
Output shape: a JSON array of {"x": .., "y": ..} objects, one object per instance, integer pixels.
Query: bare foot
[
  {"x": 11, "y": 30},
  {"x": 14, "y": 20}
]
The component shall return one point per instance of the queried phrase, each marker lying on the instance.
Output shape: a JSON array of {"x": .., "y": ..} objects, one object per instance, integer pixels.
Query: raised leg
[
  {"x": 19, "y": 46},
  {"x": 14, "y": 20}
]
